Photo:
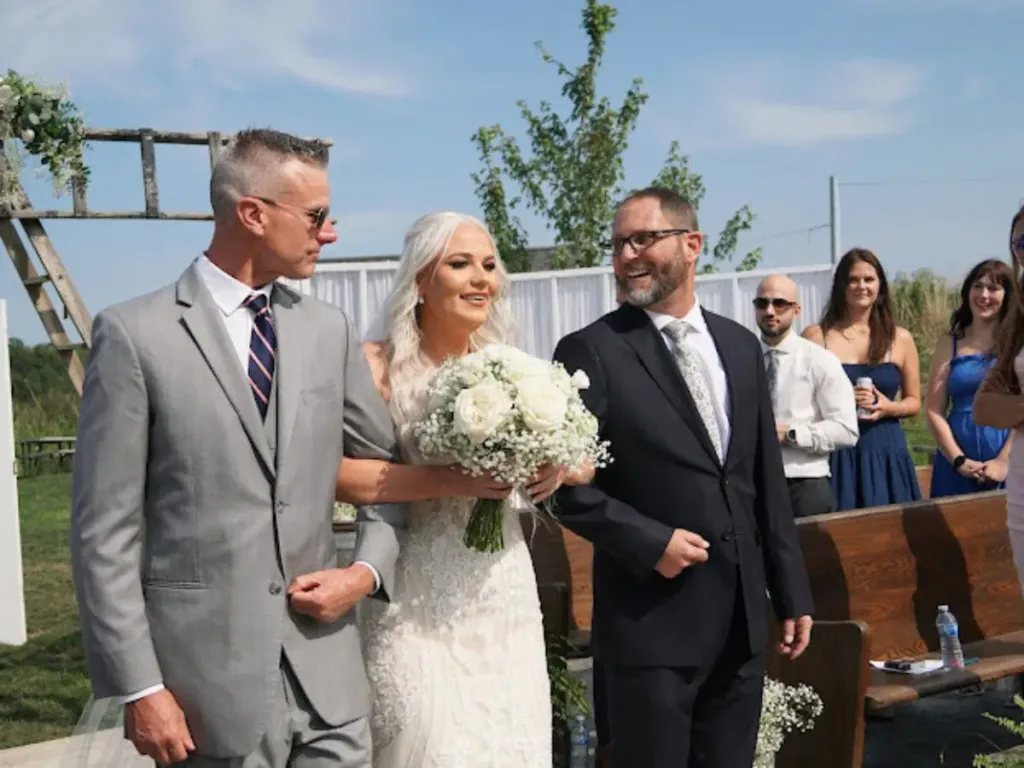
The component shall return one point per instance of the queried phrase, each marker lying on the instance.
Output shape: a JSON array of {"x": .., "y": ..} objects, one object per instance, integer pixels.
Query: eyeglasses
[
  {"x": 317, "y": 216},
  {"x": 1018, "y": 244},
  {"x": 641, "y": 240},
  {"x": 762, "y": 302}
]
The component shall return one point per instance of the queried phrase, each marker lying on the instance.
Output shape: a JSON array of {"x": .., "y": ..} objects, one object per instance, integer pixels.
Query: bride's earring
[{"x": 419, "y": 300}]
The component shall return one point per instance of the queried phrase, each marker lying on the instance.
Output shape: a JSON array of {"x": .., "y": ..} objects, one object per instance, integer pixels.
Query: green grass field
[{"x": 43, "y": 686}]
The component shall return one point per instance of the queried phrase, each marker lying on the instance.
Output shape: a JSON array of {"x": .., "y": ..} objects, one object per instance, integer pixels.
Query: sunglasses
[
  {"x": 317, "y": 216},
  {"x": 762, "y": 302},
  {"x": 1017, "y": 244}
]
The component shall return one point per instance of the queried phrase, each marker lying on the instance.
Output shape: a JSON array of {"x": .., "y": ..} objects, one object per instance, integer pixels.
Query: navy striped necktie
[{"x": 262, "y": 351}]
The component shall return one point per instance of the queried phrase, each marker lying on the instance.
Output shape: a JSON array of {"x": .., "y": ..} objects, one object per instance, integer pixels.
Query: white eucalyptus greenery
[
  {"x": 40, "y": 121},
  {"x": 504, "y": 412}
]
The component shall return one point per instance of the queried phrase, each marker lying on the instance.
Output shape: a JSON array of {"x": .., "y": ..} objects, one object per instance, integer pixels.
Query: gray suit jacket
[{"x": 186, "y": 531}]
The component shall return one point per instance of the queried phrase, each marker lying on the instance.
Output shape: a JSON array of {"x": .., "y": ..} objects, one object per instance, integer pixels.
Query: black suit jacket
[{"x": 666, "y": 475}]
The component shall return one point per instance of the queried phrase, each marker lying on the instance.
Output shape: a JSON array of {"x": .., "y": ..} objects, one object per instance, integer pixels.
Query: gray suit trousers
[{"x": 298, "y": 737}]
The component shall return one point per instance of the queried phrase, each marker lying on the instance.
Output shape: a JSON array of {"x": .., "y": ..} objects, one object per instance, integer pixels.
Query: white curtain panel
[{"x": 549, "y": 305}]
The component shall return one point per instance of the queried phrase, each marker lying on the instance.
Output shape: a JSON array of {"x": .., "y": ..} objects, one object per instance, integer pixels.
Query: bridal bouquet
[{"x": 503, "y": 411}]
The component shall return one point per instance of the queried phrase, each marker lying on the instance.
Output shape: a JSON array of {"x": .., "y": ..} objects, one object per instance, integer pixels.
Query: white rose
[
  {"x": 542, "y": 404},
  {"x": 27, "y": 135},
  {"x": 580, "y": 380},
  {"x": 480, "y": 410}
]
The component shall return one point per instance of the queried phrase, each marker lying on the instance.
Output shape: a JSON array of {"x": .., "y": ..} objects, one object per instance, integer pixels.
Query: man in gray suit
[{"x": 213, "y": 420}]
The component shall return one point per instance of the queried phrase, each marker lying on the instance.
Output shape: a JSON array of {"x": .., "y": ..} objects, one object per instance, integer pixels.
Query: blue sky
[{"x": 768, "y": 100}]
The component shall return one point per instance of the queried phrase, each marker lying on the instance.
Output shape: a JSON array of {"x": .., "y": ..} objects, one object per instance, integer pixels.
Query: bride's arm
[{"x": 370, "y": 481}]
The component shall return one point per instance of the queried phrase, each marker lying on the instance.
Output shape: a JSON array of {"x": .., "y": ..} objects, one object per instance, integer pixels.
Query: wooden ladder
[{"x": 48, "y": 269}]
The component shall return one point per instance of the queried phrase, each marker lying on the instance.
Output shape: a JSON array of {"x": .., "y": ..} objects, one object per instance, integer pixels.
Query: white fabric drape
[{"x": 548, "y": 305}]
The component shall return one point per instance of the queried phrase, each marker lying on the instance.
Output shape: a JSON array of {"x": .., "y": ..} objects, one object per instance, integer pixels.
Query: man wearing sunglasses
[
  {"x": 213, "y": 420},
  {"x": 815, "y": 411},
  {"x": 691, "y": 522}
]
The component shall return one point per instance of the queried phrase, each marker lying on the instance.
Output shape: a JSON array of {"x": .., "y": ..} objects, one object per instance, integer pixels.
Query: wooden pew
[{"x": 878, "y": 576}]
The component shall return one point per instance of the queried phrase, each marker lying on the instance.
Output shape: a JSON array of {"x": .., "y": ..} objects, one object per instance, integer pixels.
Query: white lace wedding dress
[{"x": 456, "y": 660}]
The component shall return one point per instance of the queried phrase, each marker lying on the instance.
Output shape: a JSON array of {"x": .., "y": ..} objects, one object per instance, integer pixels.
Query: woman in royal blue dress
[
  {"x": 859, "y": 327},
  {"x": 970, "y": 458}
]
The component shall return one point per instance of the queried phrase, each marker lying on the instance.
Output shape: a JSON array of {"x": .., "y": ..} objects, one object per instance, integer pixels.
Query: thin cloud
[
  {"x": 853, "y": 100},
  {"x": 237, "y": 44}
]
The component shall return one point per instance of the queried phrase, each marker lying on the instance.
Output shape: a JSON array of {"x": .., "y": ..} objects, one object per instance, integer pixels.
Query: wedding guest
[
  {"x": 858, "y": 326},
  {"x": 970, "y": 457},
  {"x": 813, "y": 403}
]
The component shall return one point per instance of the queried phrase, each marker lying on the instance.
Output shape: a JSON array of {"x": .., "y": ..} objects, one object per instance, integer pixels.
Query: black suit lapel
[{"x": 651, "y": 348}]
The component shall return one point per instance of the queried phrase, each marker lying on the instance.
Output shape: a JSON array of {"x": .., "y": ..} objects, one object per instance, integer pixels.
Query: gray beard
[{"x": 661, "y": 288}]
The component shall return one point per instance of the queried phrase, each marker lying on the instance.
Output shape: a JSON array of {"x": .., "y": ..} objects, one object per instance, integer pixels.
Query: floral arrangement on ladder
[
  {"x": 41, "y": 121},
  {"x": 784, "y": 709}
]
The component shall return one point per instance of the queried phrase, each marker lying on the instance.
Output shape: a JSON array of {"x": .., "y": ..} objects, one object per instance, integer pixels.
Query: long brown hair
[
  {"x": 1002, "y": 275},
  {"x": 881, "y": 323},
  {"x": 1010, "y": 331}
]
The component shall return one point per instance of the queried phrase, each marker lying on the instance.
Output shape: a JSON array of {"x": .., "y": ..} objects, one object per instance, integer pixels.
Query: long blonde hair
[{"x": 425, "y": 244}]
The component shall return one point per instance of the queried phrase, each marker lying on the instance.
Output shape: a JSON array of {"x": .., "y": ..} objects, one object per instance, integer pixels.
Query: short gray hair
[{"x": 250, "y": 161}]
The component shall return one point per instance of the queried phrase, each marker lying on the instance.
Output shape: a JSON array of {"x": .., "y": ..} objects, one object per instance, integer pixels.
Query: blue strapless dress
[
  {"x": 877, "y": 470},
  {"x": 966, "y": 372}
]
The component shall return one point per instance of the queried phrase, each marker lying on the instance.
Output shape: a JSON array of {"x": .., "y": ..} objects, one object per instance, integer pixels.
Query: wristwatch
[{"x": 959, "y": 461}]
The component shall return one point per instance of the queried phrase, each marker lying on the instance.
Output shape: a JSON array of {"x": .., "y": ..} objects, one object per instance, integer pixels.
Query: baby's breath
[{"x": 784, "y": 709}]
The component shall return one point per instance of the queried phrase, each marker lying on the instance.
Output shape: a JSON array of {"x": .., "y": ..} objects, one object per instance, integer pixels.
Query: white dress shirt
[
  {"x": 699, "y": 337},
  {"x": 229, "y": 295},
  {"x": 814, "y": 398}
]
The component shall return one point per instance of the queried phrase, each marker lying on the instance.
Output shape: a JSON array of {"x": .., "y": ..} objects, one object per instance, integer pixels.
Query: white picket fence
[{"x": 548, "y": 305}]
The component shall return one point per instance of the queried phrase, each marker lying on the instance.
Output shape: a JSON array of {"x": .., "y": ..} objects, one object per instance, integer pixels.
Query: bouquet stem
[{"x": 483, "y": 531}]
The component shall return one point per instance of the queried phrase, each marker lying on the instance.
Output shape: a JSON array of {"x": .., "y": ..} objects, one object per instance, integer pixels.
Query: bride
[{"x": 456, "y": 655}]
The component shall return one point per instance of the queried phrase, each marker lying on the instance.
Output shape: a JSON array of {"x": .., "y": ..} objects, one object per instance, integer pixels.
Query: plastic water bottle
[
  {"x": 949, "y": 639},
  {"x": 579, "y": 754},
  {"x": 866, "y": 383}
]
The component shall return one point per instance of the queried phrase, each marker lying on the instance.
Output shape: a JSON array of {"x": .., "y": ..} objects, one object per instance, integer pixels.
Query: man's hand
[
  {"x": 796, "y": 636},
  {"x": 684, "y": 549},
  {"x": 156, "y": 726},
  {"x": 329, "y": 595},
  {"x": 782, "y": 433}
]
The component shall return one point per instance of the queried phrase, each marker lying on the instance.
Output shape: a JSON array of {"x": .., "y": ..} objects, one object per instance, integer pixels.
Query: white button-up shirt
[
  {"x": 229, "y": 295},
  {"x": 699, "y": 337},
  {"x": 814, "y": 398}
]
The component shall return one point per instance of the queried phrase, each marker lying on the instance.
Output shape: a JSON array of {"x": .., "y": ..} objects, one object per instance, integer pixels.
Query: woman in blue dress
[
  {"x": 859, "y": 327},
  {"x": 969, "y": 458}
]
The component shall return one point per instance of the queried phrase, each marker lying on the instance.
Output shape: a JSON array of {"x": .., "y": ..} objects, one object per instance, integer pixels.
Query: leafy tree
[
  {"x": 37, "y": 372},
  {"x": 572, "y": 177}
]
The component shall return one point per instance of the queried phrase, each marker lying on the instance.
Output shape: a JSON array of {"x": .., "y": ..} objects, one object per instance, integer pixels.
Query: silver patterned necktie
[
  {"x": 771, "y": 358},
  {"x": 688, "y": 360}
]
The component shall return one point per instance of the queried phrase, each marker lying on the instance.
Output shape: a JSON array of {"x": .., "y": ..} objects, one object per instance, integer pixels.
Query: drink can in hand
[{"x": 864, "y": 382}]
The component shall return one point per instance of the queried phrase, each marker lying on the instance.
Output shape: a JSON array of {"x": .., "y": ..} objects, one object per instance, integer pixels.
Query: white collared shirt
[
  {"x": 700, "y": 338},
  {"x": 813, "y": 397},
  {"x": 229, "y": 295}
]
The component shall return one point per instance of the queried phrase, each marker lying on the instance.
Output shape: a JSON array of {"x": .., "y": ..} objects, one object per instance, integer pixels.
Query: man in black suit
[{"x": 691, "y": 522}]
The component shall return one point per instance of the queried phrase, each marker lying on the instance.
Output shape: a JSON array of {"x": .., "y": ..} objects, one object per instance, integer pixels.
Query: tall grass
[{"x": 51, "y": 415}]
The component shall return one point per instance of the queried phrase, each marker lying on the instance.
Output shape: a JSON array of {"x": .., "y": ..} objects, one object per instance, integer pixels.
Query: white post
[
  {"x": 12, "y": 606},
  {"x": 833, "y": 219}
]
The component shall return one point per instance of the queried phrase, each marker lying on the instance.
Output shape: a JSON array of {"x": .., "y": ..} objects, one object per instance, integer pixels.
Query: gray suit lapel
[
  {"x": 291, "y": 359},
  {"x": 200, "y": 316}
]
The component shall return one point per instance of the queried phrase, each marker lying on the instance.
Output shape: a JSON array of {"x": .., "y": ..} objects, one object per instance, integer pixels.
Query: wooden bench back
[
  {"x": 562, "y": 557},
  {"x": 893, "y": 566}
]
